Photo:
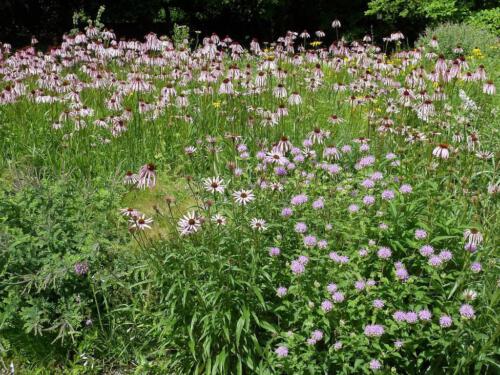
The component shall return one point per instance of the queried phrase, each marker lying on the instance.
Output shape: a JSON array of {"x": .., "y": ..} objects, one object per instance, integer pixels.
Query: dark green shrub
[
  {"x": 469, "y": 37},
  {"x": 54, "y": 236}
]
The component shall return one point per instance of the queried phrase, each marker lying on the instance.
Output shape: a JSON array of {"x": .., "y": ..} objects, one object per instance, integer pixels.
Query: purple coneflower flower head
[
  {"x": 424, "y": 315},
  {"x": 338, "y": 297},
  {"x": 310, "y": 241},
  {"x": 81, "y": 268},
  {"x": 402, "y": 274},
  {"x": 147, "y": 176},
  {"x": 281, "y": 291},
  {"x": 378, "y": 304},
  {"x": 473, "y": 236},
  {"x": 411, "y": 317},
  {"x": 303, "y": 259},
  {"x": 426, "y": 250},
  {"x": 366, "y": 161},
  {"x": 435, "y": 260},
  {"x": 258, "y": 224},
  {"x": 286, "y": 212},
  {"x": 274, "y": 251},
  {"x": 311, "y": 341},
  {"x": 405, "y": 189},
  {"x": 470, "y": 247},
  {"x": 384, "y": 253},
  {"x": 189, "y": 224},
  {"x": 243, "y": 197},
  {"x": 140, "y": 223},
  {"x": 322, "y": 244},
  {"x": 280, "y": 171},
  {"x": 300, "y": 227},
  {"x": 368, "y": 183},
  {"x": 445, "y": 321},
  {"x": 360, "y": 285},
  {"x": 368, "y": 200},
  {"x": 399, "y": 316},
  {"x": 476, "y": 267},
  {"x": 374, "y": 330},
  {"x": 281, "y": 351},
  {"x": 318, "y": 204},
  {"x": 214, "y": 185},
  {"x": 297, "y": 267},
  {"x": 332, "y": 288},
  {"x": 130, "y": 178},
  {"x": 299, "y": 200},
  {"x": 327, "y": 305},
  {"x": 353, "y": 208},
  {"x": 375, "y": 365},
  {"x": 420, "y": 234},
  {"x": 445, "y": 255},
  {"x": 317, "y": 335},
  {"x": 388, "y": 195},
  {"x": 467, "y": 311}
]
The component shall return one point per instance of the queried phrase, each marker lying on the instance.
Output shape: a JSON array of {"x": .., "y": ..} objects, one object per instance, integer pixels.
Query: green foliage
[
  {"x": 80, "y": 17},
  {"x": 181, "y": 35},
  {"x": 432, "y": 11},
  {"x": 469, "y": 37},
  {"x": 487, "y": 19},
  {"x": 47, "y": 229},
  {"x": 155, "y": 301}
]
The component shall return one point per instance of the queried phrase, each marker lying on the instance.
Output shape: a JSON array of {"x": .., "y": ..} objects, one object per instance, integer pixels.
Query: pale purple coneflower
[
  {"x": 243, "y": 197},
  {"x": 441, "y": 151},
  {"x": 218, "y": 220},
  {"x": 258, "y": 224},
  {"x": 147, "y": 176},
  {"x": 140, "y": 223},
  {"x": 473, "y": 236},
  {"x": 214, "y": 185}
]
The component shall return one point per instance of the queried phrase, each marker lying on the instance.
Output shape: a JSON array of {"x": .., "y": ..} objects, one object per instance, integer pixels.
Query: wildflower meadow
[{"x": 312, "y": 205}]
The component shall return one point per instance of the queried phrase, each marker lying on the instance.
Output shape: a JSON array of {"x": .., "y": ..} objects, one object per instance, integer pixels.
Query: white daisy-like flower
[
  {"x": 243, "y": 197},
  {"x": 214, "y": 185},
  {"x": 130, "y": 212},
  {"x": 189, "y": 223},
  {"x": 140, "y": 222},
  {"x": 258, "y": 224},
  {"x": 276, "y": 157},
  {"x": 218, "y": 220}
]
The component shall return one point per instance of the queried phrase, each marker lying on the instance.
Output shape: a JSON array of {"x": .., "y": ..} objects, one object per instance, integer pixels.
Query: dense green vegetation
[{"x": 177, "y": 206}]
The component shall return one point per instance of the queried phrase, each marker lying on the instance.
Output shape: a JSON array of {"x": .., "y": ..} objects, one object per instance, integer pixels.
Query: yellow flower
[
  {"x": 316, "y": 43},
  {"x": 216, "y": 104}
]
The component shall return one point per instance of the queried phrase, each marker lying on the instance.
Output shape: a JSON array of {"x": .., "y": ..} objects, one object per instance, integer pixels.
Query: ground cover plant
[{"x": 313, "y": 206}]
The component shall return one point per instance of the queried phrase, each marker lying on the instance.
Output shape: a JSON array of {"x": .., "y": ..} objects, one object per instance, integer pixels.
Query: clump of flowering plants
[{"x": 340, "y": 200}]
